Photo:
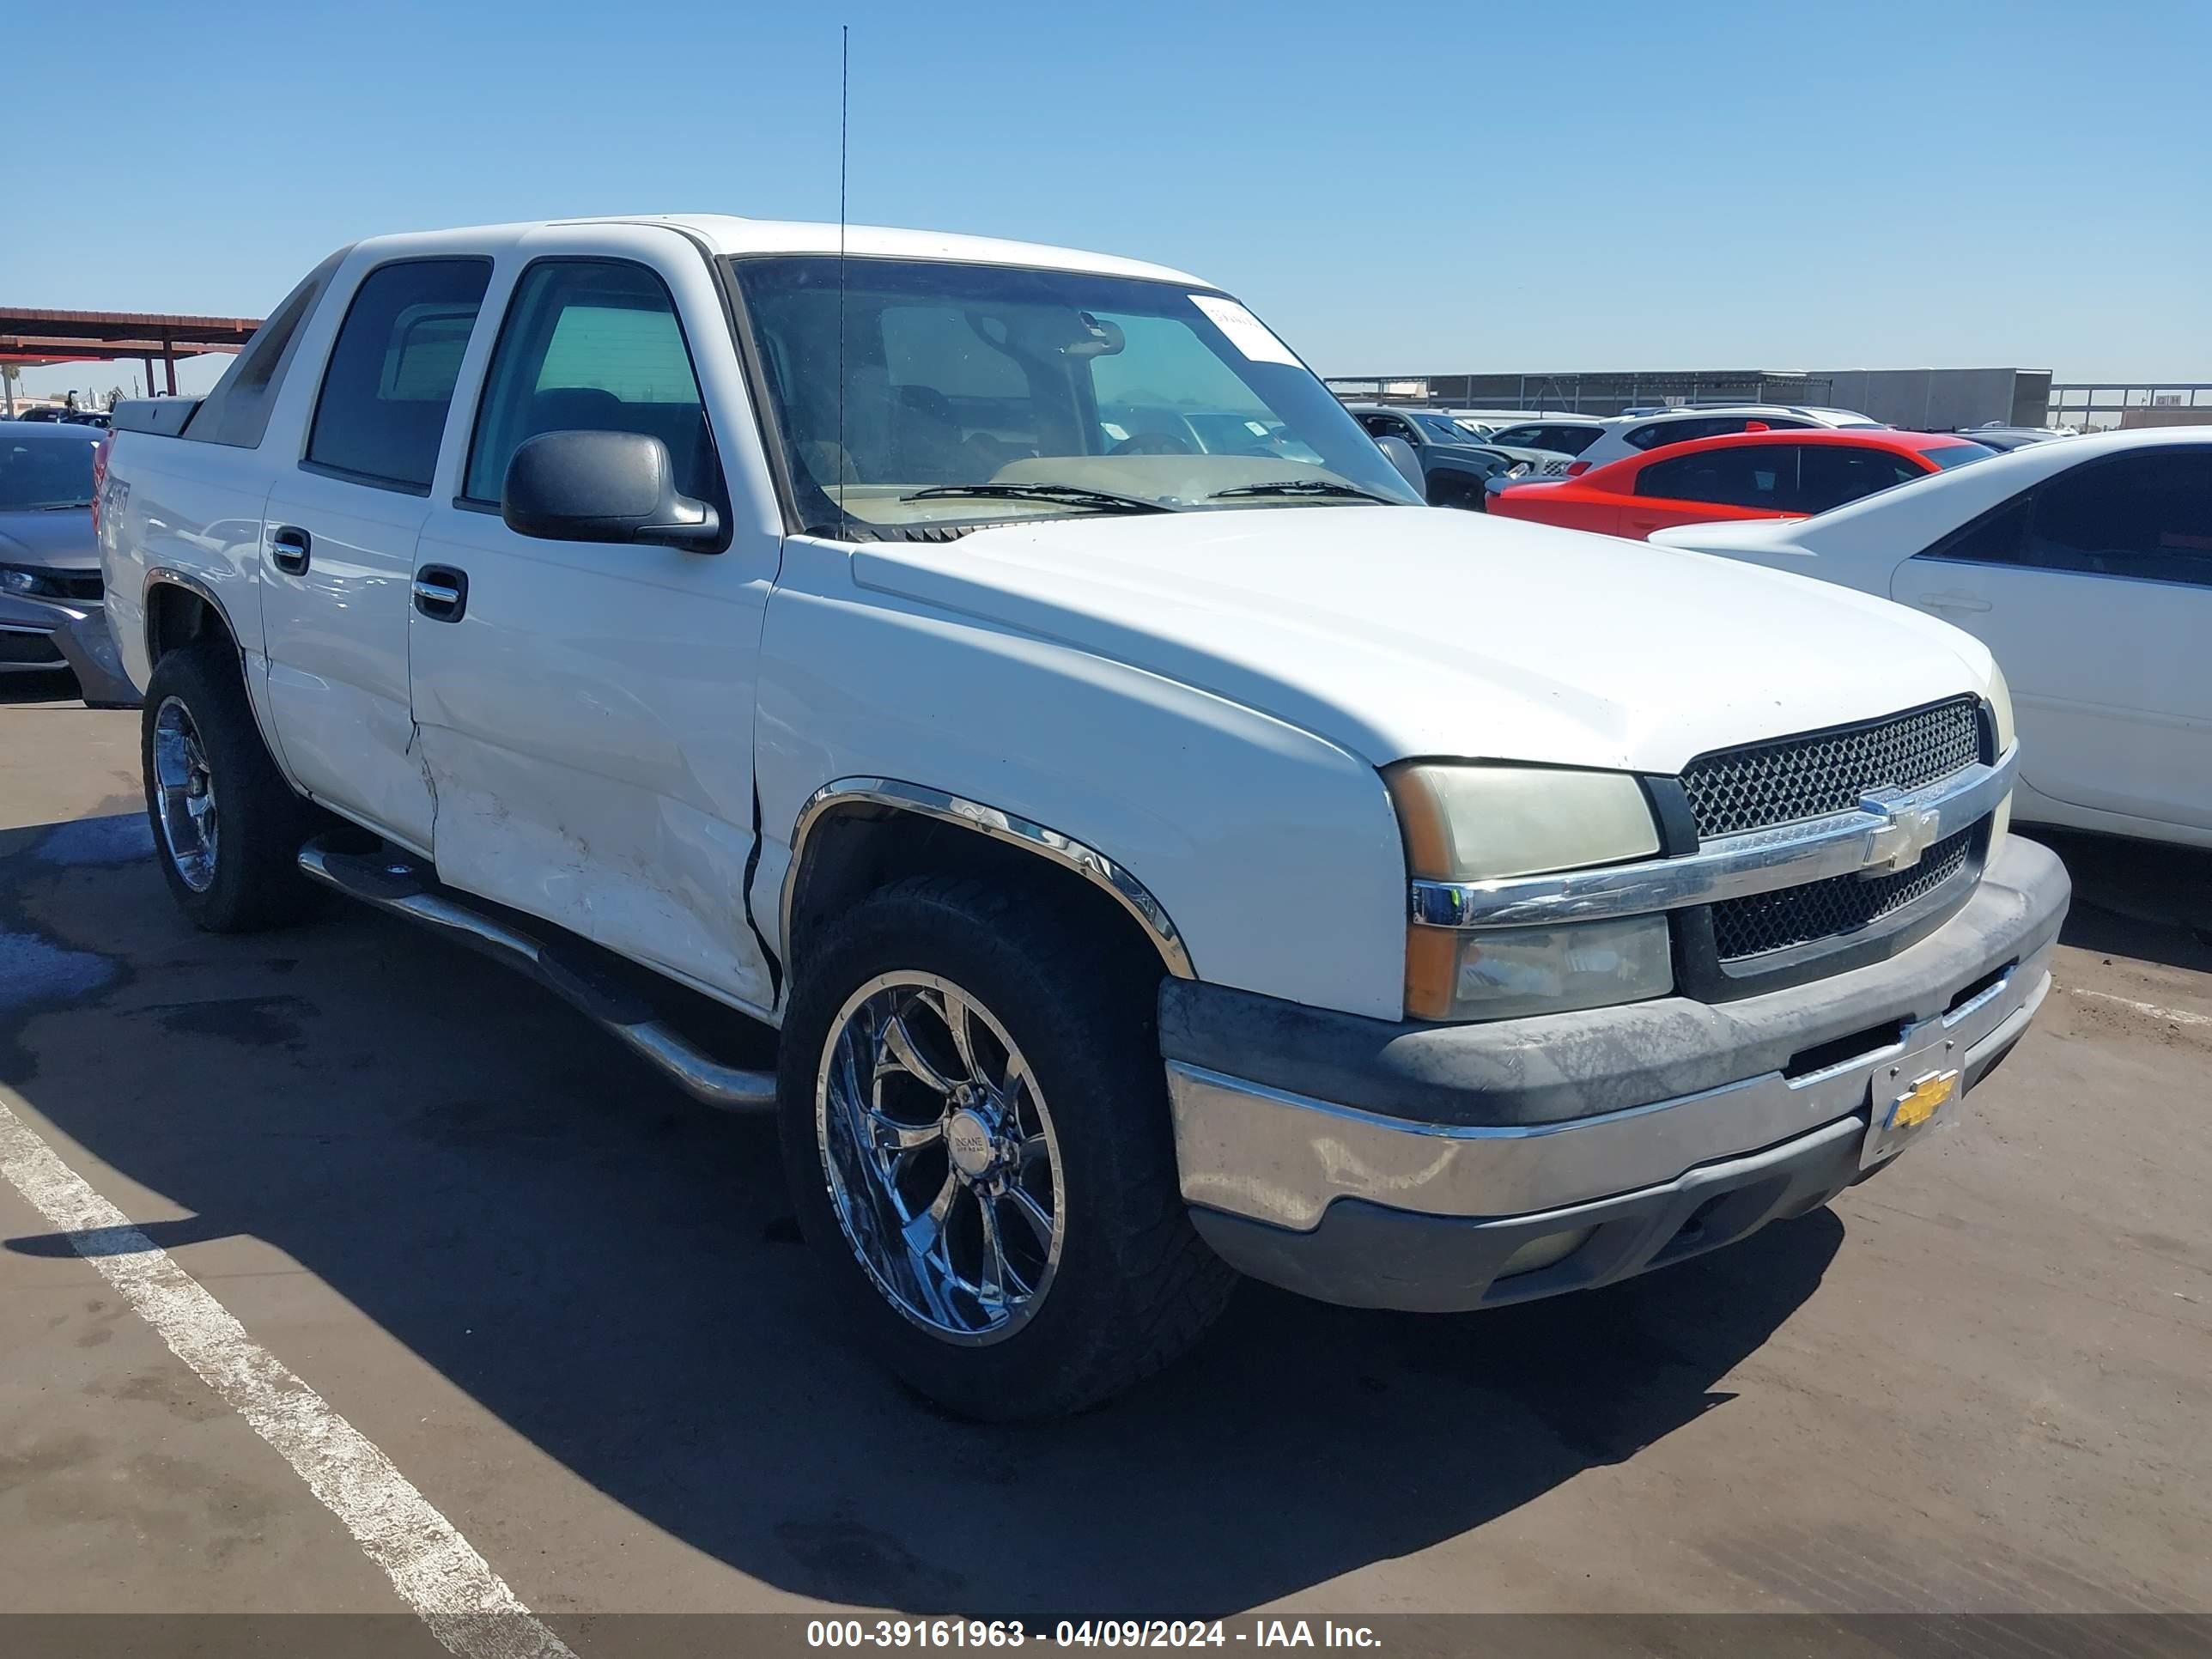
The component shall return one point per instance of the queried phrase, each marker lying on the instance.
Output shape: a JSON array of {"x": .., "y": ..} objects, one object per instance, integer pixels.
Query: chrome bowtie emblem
[{"x": 1904, "y": 833}]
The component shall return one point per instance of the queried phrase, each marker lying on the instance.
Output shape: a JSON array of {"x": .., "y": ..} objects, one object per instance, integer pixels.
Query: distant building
[{"x": 1919, "y": 398}]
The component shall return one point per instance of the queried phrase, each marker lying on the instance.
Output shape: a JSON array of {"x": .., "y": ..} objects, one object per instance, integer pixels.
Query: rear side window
[
  {"x": 1753, "y": 476},
  {"x": 1662, "y": 433},
  {"x": 236, "y": 412},
  {"x": 1567, "y": 439},
  {"x": 592, "y": 346},
  {"x": 382, "y": 410},
  {"x": 1831, "y": 475}
]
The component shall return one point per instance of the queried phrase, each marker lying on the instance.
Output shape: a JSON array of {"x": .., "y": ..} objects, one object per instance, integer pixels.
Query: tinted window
[
  {"x": 2147, "y": 516},
  {"x": 1660, "y": 433},
  {"x": 382, "y": 410},
  {"x": 591, "y": 347},
  {"x": 1993, "y": 538},
  {"x": 1387, "y": 426},
  {"x": 1830, "y": 474},
  {"x": 1754, "y": 475},
  {"x": 1567, "y": 439},
  {"x": 237, "y": 411}
]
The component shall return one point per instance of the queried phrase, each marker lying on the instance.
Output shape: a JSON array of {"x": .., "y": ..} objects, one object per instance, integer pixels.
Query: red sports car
[{"x": 1744, "y": 475}]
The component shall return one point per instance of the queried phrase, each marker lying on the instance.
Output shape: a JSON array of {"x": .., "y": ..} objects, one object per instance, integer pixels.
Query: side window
[
  {"x": 1660, "y": 433},
  {"x": 591, "y": 346},
  {"x": 1829, "y": 475},
  {"x": 2147, "y": 516},
  {"x": 382, "y": 409},
  {"x": 1993, "y": 538},
  {"x": 236, "y": 412},
  {"x": 1388, "y": 426},
  {"x": 1568, "y": 439},
  {"x": 1753, "y": 476}
]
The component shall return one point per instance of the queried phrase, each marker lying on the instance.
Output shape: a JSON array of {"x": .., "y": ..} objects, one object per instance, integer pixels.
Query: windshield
[
  {"x": 48, "y": 470},
  {"x": 1029, "y": 384},
  {"x": 1950, "y": 455},
  {"x": 1444, "y": 429}
]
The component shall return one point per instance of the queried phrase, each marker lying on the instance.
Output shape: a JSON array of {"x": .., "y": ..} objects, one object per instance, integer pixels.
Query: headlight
[
  {"x": 2001, "y": 707},
  {"x": 2001, "y": 712},
  {"x": 1477, "y": 823},
  {"x": 1481, "y": 823},
  {"x": 14, "y": 578}
]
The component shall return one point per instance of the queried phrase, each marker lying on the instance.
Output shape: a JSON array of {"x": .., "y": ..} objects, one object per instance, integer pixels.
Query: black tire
[
  {"x": 1458, "y": 489},
  {"x": 255, "y": 881},
  {"x": 1134, "y": 1287}
]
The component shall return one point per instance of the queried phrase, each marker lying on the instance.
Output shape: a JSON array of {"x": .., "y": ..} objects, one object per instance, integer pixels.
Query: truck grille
[
  {"x": 1761, "y": 785},
  {"x": 1841, "y": 904}
]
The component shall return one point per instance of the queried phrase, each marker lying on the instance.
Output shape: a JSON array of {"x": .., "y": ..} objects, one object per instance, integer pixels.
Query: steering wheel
[{"x": 1153, "y": 443}]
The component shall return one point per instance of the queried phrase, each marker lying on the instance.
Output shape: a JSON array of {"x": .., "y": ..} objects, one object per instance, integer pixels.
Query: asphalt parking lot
[{"x": 568, "y": 1307}]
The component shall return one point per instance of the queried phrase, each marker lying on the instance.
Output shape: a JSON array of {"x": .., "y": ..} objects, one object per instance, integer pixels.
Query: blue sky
[{"x": 1463, "y": 186}]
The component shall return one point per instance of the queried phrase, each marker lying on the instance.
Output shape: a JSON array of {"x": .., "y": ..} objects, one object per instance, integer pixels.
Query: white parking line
[
  {"x": 2151, "y": 1008},
  {"x": 453, "y": 1591}
]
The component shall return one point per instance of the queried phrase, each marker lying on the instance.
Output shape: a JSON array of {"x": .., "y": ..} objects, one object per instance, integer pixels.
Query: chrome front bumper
[{"x": 1287, "y": 1183}]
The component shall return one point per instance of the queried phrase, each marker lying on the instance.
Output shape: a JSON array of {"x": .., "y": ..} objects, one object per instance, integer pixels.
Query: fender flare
[
  {"x": 162, "y": 575},
  {"x": 923, "y": 801}
]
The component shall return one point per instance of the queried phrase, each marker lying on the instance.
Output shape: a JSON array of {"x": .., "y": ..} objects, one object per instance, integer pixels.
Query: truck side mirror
[
  {"x": 1407, "y": 463},
  {"x": 603, "y": 487}
]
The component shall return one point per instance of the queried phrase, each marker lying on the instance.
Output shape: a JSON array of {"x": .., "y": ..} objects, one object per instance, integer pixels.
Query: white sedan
[{"x": 2086, "y": 566}]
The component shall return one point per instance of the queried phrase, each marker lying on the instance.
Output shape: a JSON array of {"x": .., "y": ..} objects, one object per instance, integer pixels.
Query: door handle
[
  {"x": 441, "y": 592},
  {"x": 1953, "y": 600},
  {"x": 288, "y": 548}
]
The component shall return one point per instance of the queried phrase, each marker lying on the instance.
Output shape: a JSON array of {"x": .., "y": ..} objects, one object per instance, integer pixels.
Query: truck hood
[
  {"x": 1398, "y": 632},
  {"x": 61, "y": 540}
]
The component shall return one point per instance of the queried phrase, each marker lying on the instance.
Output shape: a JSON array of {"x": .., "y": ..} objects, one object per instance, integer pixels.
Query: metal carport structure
[{"x": 36, "y": 338}]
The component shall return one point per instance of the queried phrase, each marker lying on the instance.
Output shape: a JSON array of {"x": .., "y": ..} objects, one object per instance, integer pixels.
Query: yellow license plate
[{"x": 1918, "y": 1103}]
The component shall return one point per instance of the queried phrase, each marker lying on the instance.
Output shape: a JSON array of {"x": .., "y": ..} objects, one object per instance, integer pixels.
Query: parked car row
[
  {"x": 2086, "y": 566},
  {"x": 1458, "y": 466},
  {"x": 1744, "y": 475}
]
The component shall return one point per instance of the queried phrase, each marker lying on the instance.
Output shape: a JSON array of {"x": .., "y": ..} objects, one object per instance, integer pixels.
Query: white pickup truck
[{"x": 1158, "y": 862}]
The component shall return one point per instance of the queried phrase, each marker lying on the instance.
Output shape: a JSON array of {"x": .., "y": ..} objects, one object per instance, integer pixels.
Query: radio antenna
[{"x": 844, "y": 106}]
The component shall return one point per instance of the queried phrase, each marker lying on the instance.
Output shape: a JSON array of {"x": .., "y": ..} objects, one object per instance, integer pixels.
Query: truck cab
[{"x": 1157, "y": 860}]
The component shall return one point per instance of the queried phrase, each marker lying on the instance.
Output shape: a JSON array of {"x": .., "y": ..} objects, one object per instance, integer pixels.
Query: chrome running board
[{"x": 394, "y": 882}]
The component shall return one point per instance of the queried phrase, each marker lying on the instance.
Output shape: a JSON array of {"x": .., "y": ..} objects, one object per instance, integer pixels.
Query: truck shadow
[
  {"x": 2134, "y": 899},
  {"x": 612, "y": 1273}
]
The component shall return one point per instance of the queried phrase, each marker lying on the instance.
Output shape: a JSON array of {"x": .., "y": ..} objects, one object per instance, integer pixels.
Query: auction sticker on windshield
[{"x": 1245, "y": 331}]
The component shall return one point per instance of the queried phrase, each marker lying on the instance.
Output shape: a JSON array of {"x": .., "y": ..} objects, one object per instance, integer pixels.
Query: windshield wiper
[
  {"x": 63, "y": 506},
  {"x": 1301, "y": 487},
  {"x": 1068, "y": 495}
]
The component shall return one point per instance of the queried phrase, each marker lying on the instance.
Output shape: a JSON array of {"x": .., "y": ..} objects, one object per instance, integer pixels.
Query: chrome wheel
[
  {"x": 940, "y": 1157},
  {"x": 185, "y": 794}
]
